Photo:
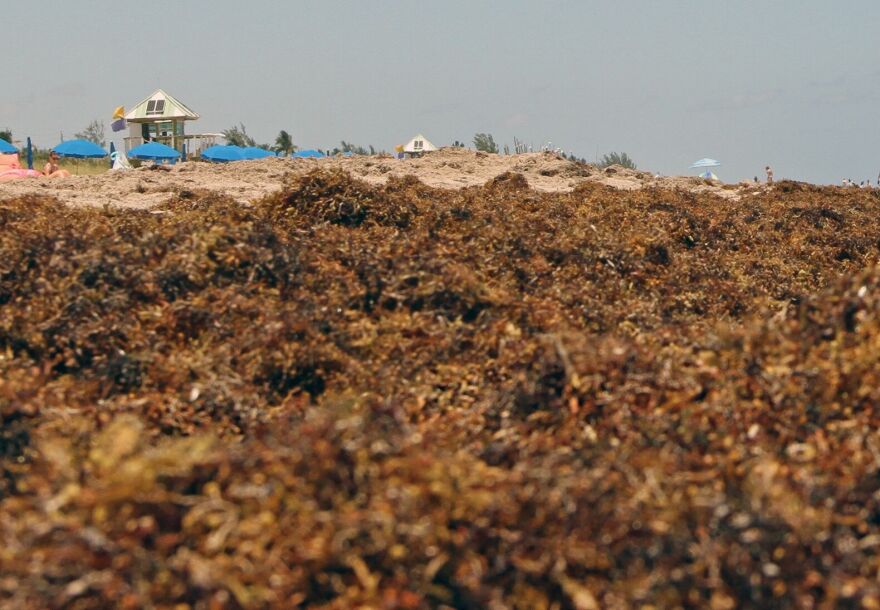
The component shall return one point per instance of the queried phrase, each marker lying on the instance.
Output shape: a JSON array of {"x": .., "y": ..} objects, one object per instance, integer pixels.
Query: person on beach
[
  {"x": 769, "y": 174},
  {"x": 52, "y": 170}
]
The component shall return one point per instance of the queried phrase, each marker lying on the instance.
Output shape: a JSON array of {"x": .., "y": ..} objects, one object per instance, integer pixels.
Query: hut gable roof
[
  {"x": 419, "y": 144},
  {"x": 160, "y": 107}
]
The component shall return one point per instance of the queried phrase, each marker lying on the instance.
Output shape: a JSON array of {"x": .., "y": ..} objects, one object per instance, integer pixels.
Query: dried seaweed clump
[{"x": 347, "y": 395}]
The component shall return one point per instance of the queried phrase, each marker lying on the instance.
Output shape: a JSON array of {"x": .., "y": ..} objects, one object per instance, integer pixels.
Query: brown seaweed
[{"x": 405, "y": 397}]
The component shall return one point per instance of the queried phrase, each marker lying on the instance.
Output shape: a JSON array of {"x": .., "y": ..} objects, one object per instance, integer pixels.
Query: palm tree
[
  {"x": 237, "y": 136},
  {"x": 284, "y": 143},
  {"x": 614, "y": 158}
]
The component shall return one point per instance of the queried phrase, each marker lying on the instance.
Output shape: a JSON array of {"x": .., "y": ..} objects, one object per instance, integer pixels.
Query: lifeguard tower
[{"x": 161, "y": 118}]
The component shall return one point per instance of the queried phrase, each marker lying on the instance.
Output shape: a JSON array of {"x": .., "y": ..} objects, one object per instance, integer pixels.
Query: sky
[{"x": 790, "y": 83}]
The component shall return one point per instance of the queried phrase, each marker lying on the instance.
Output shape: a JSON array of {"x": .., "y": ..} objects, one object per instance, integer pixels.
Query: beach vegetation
[
  {"x": 484, "y": 142},
  {"x": 284, "y": 143},
  {"x": 6, "y": 134},
  {"x": 348, "y": 147},
  {"x": 93, "y": 133},
  {"x": 238, "y": 136},
  {"x": 615, "y": 158}
]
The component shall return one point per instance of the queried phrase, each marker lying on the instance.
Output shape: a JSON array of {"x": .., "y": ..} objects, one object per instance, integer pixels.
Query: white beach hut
[{"x": 418, "y": 146}]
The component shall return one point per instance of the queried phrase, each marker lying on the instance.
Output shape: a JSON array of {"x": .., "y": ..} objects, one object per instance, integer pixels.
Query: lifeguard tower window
[
  {"x": 155, "y": 107},
  {"x": 417, "y": 144}
]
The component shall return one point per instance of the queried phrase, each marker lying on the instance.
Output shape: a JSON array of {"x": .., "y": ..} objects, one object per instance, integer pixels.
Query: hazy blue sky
[{"x": 795, "y": 83}]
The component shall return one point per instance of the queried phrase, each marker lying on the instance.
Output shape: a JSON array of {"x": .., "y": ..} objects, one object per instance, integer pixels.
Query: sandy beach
[{"x": 246, "y": 181}]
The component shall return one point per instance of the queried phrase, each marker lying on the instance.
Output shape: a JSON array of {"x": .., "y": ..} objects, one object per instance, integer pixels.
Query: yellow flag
[{"x": 119, "y": 112}]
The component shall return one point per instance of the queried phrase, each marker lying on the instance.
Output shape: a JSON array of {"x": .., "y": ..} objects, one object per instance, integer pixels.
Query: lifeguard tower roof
[{"x": 160, "y": 107}]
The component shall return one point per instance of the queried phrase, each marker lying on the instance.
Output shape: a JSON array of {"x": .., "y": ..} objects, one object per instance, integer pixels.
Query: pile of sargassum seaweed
[{"x": 352, "y": 396}]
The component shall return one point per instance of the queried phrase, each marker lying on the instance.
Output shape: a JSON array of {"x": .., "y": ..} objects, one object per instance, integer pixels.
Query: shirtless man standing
[{"x": 769, "y": 171}]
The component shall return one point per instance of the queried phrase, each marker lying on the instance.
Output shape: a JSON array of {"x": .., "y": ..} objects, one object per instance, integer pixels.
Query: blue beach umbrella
[
  {"x": 6, "y": 147},
  {"x": 705, "y": 163},
  {"x": 154, "y": 151},
  {"x": 223, "y": 154},
  {"x": 80, "y": 149},
  {"x": 254, "y": 152},
  {"x": 309, "y": 154}
]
